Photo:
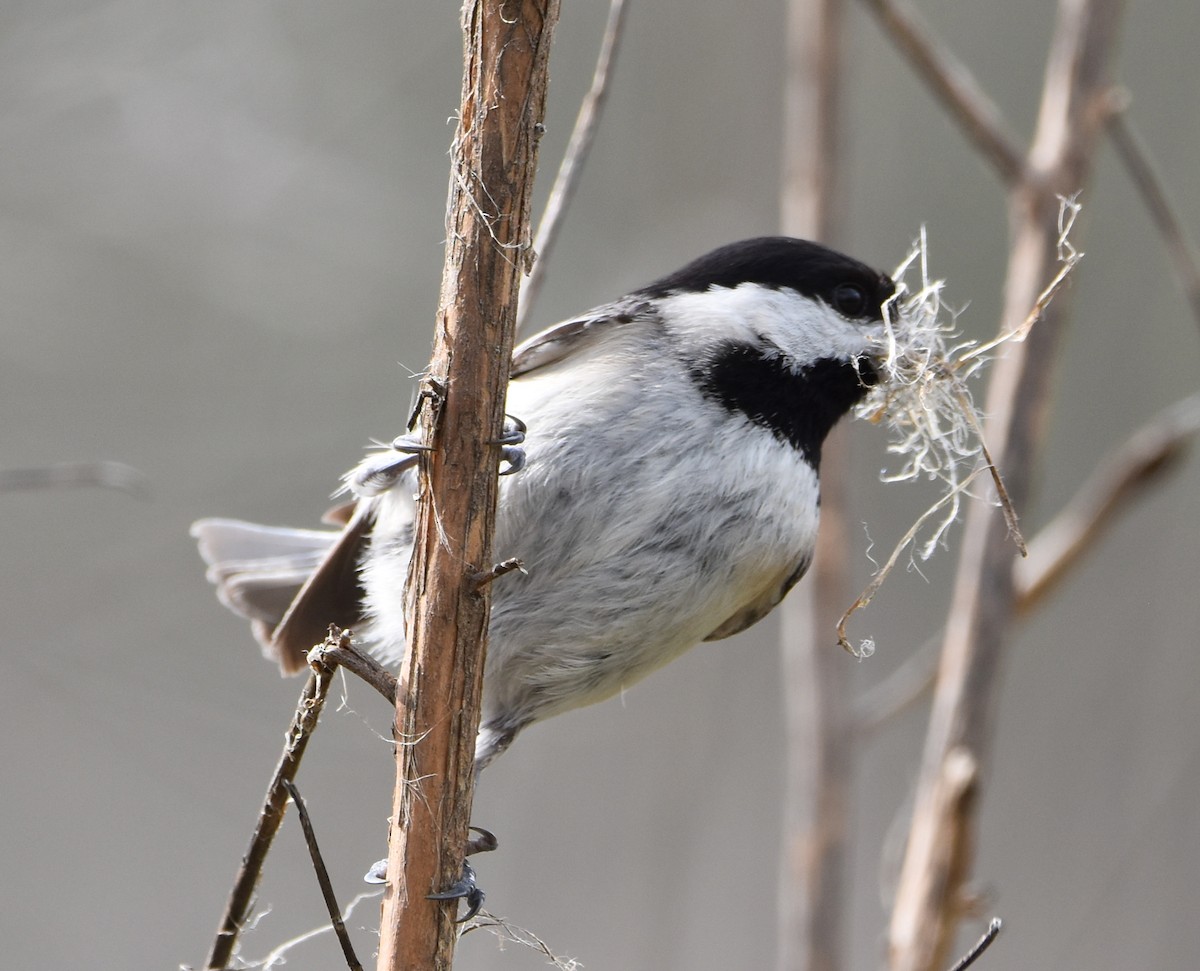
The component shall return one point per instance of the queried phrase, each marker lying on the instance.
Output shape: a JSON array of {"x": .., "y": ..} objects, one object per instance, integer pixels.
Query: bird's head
[{"x": 783, "y": 330}]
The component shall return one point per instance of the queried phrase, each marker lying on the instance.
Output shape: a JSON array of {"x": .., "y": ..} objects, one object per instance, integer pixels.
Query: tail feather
[
  {"x": 221, "y": 540},
  {"x": 258, "y": 570},
  {"x": 291, "y": 584}
]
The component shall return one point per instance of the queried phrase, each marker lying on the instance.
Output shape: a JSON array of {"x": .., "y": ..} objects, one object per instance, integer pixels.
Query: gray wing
[{"x": 565, "y": 338}]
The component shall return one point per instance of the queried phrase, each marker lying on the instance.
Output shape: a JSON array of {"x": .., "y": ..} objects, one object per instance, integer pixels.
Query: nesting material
[{"x": 924, "y": 399}]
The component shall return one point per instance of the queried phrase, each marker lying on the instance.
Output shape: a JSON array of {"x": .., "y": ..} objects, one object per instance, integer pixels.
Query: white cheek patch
[{"x": 805, "y": 330}]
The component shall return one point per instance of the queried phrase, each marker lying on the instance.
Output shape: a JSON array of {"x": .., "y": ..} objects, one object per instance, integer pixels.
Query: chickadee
[{"x": 669, "y": 493}]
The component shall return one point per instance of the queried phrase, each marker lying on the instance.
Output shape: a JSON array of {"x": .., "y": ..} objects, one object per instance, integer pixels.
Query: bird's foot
[
  {"x": 465, "y": 887},
  {"x": 511, "y": 437}
]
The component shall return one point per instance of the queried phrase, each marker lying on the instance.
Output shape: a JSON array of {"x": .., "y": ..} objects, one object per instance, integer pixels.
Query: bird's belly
[{"x": 633, "y": 560}]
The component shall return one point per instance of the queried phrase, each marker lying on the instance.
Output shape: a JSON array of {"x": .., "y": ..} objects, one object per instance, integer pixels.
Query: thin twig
[
  {"x": 108, "y": 475},
  {"x": 1002, "y": 496},
  {"x": 953, "y": 85},
  {"x": 1139, "y": 461},
  {"x": 323, "y": 881},
  {"x": 1136, "y": 158},
  {"x": 270, "y": 817},
  {"x": 337, "y": 651},
  {"x": 566, "y": 182},
  {"x": 981, "y": 945},
  {"x": 512, "y": 564}
]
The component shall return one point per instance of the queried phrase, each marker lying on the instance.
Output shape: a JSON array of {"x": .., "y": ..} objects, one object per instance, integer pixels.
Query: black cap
[{"x": 781, "y": 262}]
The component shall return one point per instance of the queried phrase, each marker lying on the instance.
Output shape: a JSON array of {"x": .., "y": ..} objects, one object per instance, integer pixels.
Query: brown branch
[
  {"x": 337, "y": 651},
  {"x": 323, "y": 881},
  {"x": 1136, "y": 158},
  {"x": 817, "y": 769},
  {"x": 270, "y": 817},
  {"x": 953, "y": 85},
  {"x": 1139, "y": 462},
  {"x": 812, "y": 197},
  {"x": 939, "y": 851},
  {"x": 493, "y": 158},
  {"x": 566, "y": 182}
]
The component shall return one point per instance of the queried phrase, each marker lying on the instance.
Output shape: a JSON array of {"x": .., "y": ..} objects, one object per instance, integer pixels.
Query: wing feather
[{"x": 563, "y": 339}]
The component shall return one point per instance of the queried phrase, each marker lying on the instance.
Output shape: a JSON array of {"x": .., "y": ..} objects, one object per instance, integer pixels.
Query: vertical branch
[
  {"x": 817, "y": 770},
  {"x": 810, "y": 195},
  {"x": 940, "y": 845},
  {"x": 494, "y": 155}
]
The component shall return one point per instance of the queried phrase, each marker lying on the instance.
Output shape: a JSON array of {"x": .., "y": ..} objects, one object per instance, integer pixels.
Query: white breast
[{"x": 644, "y": 526}]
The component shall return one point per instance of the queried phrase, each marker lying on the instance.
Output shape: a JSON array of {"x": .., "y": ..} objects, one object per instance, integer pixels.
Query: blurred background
[{"x": 221, "y": 237}]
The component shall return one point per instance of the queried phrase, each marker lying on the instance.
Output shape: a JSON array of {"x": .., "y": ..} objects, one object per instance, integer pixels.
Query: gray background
[{"x": 220, "y": 244}]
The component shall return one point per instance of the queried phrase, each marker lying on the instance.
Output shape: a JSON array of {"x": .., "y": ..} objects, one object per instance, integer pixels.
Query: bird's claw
[
  {"x": 513, "y": 432},
  {"x": 509, "y": 441},
  {"x": 514, "y": 455},
  {"x": 464, "y": 888},
  {"x": 410, "y": 444},
  {"x": 485, "y": 842}
]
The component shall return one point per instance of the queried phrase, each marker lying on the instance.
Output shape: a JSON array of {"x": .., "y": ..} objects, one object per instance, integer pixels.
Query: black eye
[{"x": 850, "y": 300}]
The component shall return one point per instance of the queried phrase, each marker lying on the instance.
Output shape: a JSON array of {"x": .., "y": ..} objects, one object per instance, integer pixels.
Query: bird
[{"x": 665, "y": 493}]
